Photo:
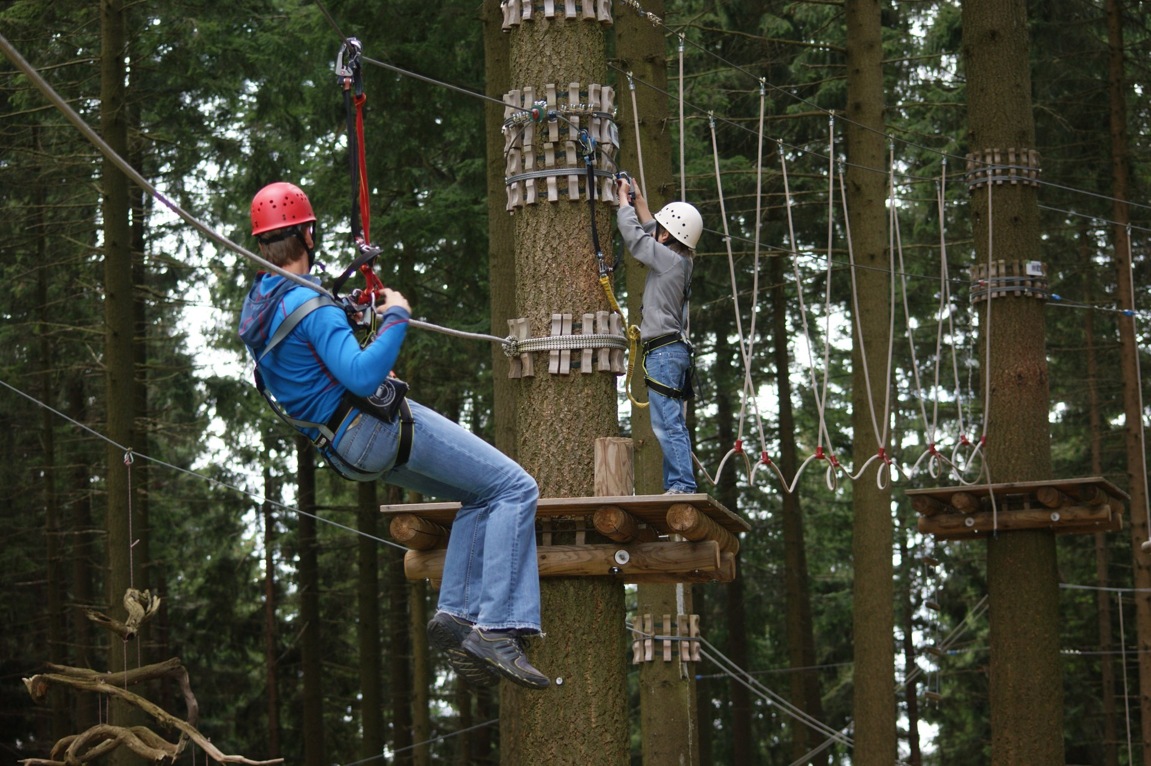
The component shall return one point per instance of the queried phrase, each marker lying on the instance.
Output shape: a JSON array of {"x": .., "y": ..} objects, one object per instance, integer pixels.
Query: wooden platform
[
  {"x": 658, "y": 538},
  {"x": 1064, "y": 506}
]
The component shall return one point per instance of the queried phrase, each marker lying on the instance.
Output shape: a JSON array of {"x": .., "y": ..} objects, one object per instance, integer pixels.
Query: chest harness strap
[{"x": 385, "y": 405}]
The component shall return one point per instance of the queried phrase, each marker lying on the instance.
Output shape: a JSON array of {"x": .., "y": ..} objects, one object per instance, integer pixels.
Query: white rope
[
  {"x": 638, "y": 143},
  {"x": 682, "y": 126},
  {"x": 1126, "y": 690}
]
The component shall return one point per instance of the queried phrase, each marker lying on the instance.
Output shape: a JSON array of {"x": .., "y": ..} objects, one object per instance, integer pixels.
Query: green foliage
[{"x": 226, "y": 97}]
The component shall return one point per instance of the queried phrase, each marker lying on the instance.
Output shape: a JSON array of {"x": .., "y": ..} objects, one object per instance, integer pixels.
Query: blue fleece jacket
[{"x": 310, "y": 369}]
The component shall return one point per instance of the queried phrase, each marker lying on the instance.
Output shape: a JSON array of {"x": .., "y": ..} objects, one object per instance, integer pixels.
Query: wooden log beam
[
  {"x": 631, "y": 563},
  {"x": 1052, "y": 497},
  {"x": 422, "y": 535},
  {"x": 615, "y": 523},
  {"x": 928, "y": 506},
  {"x": 965, "y": 502},
  {"x": 1072, "y": 519},
  {"x": 693, "y": 524}
]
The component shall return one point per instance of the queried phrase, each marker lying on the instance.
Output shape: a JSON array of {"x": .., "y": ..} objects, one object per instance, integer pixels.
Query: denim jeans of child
[
  {"x": 669, "y": 365},
  {"x": 490, "y": 575}
]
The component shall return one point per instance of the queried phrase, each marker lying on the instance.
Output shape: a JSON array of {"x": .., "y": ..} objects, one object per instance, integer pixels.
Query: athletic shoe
[
  {"x": 446, "y": 633},
  {"x": 503, "y": 652}
]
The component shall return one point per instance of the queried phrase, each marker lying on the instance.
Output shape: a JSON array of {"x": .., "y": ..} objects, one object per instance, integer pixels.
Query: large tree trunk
[
  {"x": 1129, "y": 351},
  {"x": 501, "y": 245},
  {"x": 873, "y": 618},
  {"x": 118, "y": 354},
  {"x": 1109, "y": 711},
  {"x": 559, "y": 418},
  {"x": 271, "y": 624},
  {"x": 400, "y": 673},
  {"x": 308, "y": 574},
  {"x": 1026, "y": 686},
  {"x": 668, "y": 725},
  {"x": 368, "y": 624}
]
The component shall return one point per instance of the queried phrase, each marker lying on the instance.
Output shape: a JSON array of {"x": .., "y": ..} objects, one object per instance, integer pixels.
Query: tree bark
[
  {"x": 558, "y": 419},
  {"x": 271, "y": 624},
  {"x": 501, "y": 244},
  {"x": 1129, "y": 352},
  {"x": 1026, "y": 686},
  {"x": 368, "y": 624},
  {"x": 119, "y": 367},
  {"x": 400, "y": 671},
  {"x": 873, "y": 618},
  {"x": 669, "y": 728},
  {"x": 308, "y": 573}
]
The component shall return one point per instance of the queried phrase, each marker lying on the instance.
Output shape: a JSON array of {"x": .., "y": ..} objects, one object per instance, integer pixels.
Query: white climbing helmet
[{"x": 682, "y": 221}]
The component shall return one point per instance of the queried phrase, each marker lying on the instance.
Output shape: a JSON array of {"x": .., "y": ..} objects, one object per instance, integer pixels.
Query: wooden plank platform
[
  {"x": 646, "y": 549},
  {"x": 651, "y": 509},
  {"x": 1064, "y": 506}
]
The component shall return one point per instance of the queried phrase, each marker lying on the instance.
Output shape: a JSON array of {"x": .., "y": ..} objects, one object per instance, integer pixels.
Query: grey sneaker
[
  {"x": 503, "y": 652},
  {"x": 679, "y": 492},
  {"x": 447, "y": 633}
]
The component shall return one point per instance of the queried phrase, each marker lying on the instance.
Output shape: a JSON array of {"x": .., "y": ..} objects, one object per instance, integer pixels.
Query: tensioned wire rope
[
  {"x": 191, "y": 220},
  {"x": 935, "y": 457},
  {"x": 131, "y": 454},
  {"x": 194, "y": 222},
  {"x": 727, "y": 240},
  {"x": 733, "y": 671},
  {"x": 524, "y": 345}
]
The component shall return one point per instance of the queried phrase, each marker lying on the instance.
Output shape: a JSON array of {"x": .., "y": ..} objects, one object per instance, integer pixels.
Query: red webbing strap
[{"x": 365, "y": 207}]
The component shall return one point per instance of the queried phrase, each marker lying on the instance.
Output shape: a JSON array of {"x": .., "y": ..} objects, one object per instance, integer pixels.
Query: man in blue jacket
[{"x": 345, "y": 399}]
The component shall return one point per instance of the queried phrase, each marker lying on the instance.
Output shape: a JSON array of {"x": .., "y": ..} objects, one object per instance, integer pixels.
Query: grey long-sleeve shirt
[{"x": 669, "y": 274}]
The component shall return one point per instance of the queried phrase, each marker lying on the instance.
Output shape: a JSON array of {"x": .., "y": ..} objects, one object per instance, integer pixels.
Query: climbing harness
[
  {"x": 390, "y": 399},
  {"x": 686, "y": 389},
  {"x": 387, "y": 403}
]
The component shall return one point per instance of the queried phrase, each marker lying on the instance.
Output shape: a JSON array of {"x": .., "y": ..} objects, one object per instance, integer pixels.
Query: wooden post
[{"x": 613, "y": 467}]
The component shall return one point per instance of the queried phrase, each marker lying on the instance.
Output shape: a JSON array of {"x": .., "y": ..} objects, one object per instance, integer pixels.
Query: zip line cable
[
  {"x": 130, "y": 453},
  {"x": 98, "y": 142}
]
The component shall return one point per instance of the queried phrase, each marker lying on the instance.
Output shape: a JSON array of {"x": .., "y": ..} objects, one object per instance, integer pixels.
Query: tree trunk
[
  {"x": 421, "y": 674},
  {"x": 1026, "y": 686},
  {"x": 501, "y": 245},
  {"x": 873, "y": 619},
  {"x": 558, "y": 418},
  {"x": 1110, "y": 744},
  {"x": 118, "y": 353},
  {"x": 311, "y": 652},
  {"x": 271, "y": 625},
  {"x": 1129, "y": 352},
  {"x": 400, "y": 673},
  {"x": 56, "y": 586},
  {"x": 368, "y": 624},
  {"x": 668, "y": 725},
  {"x": 804, "y": 688},
  {"x": 83, "y": 557}
]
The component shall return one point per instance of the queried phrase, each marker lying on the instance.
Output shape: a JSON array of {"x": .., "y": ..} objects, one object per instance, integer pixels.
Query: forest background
[{"x": 266, "y": 581}]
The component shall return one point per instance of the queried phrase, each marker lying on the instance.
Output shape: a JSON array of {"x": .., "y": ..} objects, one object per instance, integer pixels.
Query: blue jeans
[
  {"x": 491, "y": 576},
  {"x": 669, "y": 365}
]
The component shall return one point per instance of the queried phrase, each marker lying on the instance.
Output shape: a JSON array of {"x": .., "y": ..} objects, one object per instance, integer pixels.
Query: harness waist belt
[
  {"x": 407, "y": 426},
  {"x": 660, "y": 341}
]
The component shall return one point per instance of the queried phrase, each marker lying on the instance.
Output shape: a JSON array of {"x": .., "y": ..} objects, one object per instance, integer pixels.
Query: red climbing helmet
[{"x": 278, "y": 205}]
